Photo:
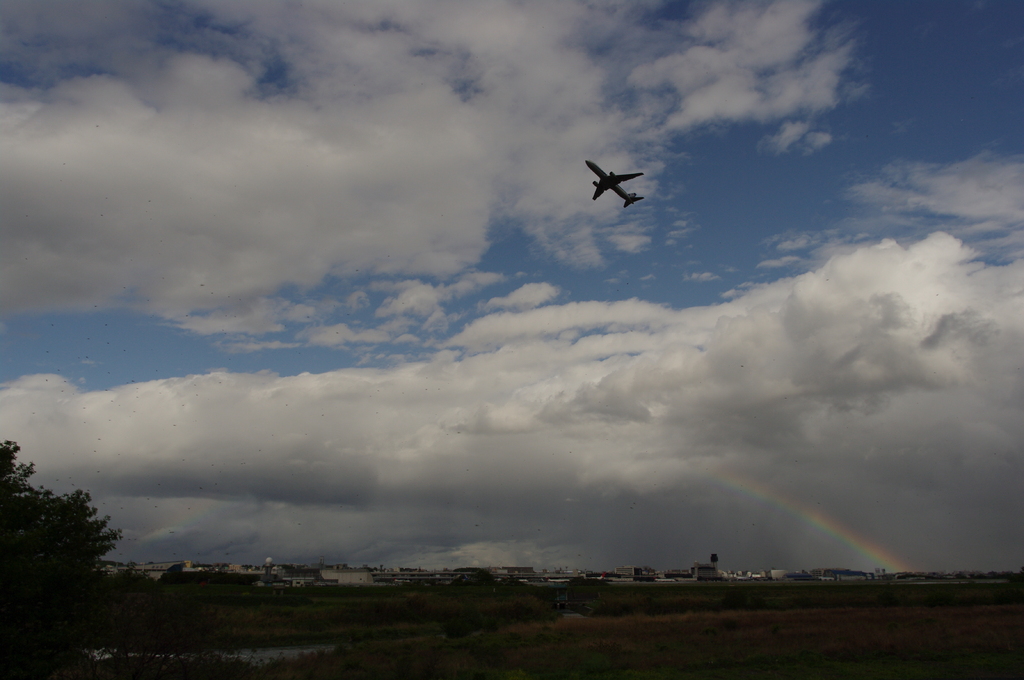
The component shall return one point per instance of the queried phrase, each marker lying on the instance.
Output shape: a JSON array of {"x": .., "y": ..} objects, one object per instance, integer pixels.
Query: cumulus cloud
[
  {"x": 140, "y": 184},
  {"x": 247, "y": 169},
  {"x": 214, "y": 154},
  {"x": 883, "y": 389},
  {"x": 754, "y": 61}
]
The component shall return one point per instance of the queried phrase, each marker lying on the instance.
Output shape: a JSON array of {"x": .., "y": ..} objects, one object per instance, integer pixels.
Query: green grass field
[{"x": 857, "y": 630}]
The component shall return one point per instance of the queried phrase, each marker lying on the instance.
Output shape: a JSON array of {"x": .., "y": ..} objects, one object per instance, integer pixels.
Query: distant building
[
  {"x": 791, "y": 576},
  {"x": 301, "y": 576},
  {"x": 155, "y": 570},
  {"x": 629, "y": 571},
  {"x": 512, "y": 571},
  {"x": 345, "y": 577},
  {"x": 850, "y": 575},
  {"x": 707, "y": 571}
]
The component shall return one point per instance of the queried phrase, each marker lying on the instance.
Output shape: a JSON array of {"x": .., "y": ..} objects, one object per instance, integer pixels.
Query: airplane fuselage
[{"x": 612, "y": 181}]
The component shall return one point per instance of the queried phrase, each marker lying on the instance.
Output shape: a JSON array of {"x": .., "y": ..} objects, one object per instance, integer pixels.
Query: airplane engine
[{"x": 596, "y": 184}]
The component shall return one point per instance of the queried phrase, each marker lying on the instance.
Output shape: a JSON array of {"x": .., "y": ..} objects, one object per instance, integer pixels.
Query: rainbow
[
  {"x": 876, "y": 553},
  {"x": 200, "y": 511}
]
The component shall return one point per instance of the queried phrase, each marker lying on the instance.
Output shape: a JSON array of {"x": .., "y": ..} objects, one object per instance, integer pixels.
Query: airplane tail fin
[{"x": 631, "y": 200}]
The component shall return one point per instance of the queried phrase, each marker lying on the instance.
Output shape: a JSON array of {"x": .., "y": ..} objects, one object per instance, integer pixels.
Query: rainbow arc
[{"x": 874, "y": 551}]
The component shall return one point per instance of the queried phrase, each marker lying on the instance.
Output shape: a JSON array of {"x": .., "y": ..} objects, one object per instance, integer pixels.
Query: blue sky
[{"x": 338, "y": 267}]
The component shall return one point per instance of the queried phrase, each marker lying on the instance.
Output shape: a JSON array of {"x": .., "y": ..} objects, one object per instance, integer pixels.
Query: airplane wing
[
  {"x": 598, "y": 192},
  {"x": 622, "y": 178}
]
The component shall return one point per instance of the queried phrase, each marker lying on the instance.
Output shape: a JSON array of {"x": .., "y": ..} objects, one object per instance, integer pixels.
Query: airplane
[{"x": 611, "y": 181}]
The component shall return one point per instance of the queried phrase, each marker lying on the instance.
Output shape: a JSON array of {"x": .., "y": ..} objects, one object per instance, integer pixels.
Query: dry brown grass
[
  {"x": 684, "y": 641},
  {"x": 831, "y": 632}
]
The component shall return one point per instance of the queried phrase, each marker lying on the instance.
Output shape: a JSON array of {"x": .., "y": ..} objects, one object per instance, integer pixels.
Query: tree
[{"x": 50, "y": 584}]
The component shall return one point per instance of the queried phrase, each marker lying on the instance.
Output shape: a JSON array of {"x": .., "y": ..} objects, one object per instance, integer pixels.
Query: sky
[{"x": 326, "y": 279}]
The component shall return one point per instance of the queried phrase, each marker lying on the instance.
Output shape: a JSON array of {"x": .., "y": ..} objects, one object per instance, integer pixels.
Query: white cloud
[
  {"x": 180, "y": 179},
  {"x": 749, "y": 61},
  {"x": 171, "y": 175},
  {"x": 357, "y": 300},
  {"x": 701, "y": 277},
  {"x": 341, "y": 334},
  {"x": 629, "y": 238},
  {"x": 779, "y": 262},
  {"x": 813, "y": 141},
  {"x": 264, "y": 315},
  {"x": 416, "y": 298},
  {"x": 154, "y": 206},
  {"x": 246, "y": 346},
  {"x": 795, "y": 135},
  {"x": 683, "y": 229},
  {"x": 856, "y": 386},
  {"x": 790, "y": 241},
  {"x": 525, "y": 297},
  {"x": 980, "y": 199},
  {"x": 555, "y": 320},
  {"x": 174, "y": 172}
]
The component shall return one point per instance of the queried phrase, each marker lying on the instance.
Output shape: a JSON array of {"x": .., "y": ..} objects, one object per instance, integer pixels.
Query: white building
[{"x": 346, "y": 577}]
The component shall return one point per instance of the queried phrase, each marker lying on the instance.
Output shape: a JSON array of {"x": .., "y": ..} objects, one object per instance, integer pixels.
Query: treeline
[{"x": 213, "y": 578}]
